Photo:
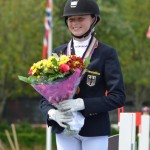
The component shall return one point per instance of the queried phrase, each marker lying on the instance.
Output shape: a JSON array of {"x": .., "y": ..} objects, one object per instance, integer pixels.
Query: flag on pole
[
  {"x": 148, "y": 33},
  {"x": 47, "y": 50},
  {"x": 47, "y": 41}
]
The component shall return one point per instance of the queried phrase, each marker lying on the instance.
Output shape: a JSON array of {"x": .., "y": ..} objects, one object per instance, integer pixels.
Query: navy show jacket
[{"x": 104, "y": 73}]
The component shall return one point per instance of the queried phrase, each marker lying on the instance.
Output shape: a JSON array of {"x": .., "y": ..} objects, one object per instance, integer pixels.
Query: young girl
[{"x": 103, "y": 74}]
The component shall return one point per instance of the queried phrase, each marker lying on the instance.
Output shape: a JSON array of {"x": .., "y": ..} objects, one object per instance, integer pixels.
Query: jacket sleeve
[
  {"x": 45, "y": 106},
  {"x": 114, "y": 85}
]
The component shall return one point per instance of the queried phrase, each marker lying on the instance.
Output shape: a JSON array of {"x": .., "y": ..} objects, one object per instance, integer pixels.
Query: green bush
[
  {"x": 27, "y": 135},
  {"x": 114, "y": 131}
]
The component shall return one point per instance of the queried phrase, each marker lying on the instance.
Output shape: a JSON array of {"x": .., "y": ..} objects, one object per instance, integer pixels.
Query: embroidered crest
[
  {"x": 91, "y": 80},
  {"x": 74, "y": 3}
]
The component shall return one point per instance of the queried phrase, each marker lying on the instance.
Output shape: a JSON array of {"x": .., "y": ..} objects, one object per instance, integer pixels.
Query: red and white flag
[
  {"x": 148, "y": 33},
  {"x": 47, "y": 41}
]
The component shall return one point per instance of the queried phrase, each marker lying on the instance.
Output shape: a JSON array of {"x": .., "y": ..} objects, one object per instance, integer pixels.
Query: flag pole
[
  {"x": 49, "y": 52},
  {"x": 48, "y": 138},
  {"x": 50, "y": 40}
]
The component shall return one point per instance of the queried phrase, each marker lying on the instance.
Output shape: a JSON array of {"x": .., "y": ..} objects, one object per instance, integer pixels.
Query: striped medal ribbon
[{"x": 89, "y": 51}]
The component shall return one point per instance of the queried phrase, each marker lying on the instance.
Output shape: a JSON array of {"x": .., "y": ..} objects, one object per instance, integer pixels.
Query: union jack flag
[{"x": 47, "y": 41}]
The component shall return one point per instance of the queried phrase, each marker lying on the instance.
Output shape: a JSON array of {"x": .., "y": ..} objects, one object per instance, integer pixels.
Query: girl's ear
[{"x": 94, "y": 20}]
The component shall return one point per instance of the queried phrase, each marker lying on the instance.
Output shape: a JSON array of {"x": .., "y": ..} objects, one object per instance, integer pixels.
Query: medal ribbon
[{"x": 89, "y": 51}]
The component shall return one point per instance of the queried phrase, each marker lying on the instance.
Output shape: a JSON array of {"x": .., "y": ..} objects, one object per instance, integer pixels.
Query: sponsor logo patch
[{"x": 74, "y": 3}]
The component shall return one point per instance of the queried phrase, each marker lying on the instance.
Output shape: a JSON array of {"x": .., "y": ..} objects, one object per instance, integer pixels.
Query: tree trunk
[{"x": 2, "y": 105}]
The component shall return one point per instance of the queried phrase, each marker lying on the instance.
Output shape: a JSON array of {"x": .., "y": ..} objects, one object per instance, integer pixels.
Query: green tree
[
  {"x": 124, "y": 25},
  {"x": 135, "y": 57},
  {"x": 21, "y": 29}
]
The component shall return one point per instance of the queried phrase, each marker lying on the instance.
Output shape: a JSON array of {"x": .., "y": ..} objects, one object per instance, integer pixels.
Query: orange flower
[{"x": 75, "y": 62}]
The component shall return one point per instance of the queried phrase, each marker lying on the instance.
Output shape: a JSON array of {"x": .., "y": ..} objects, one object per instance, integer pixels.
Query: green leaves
[
  {"x": 54, "y": 62},
  {"x": 24, "y": 79},
  {"x": 29, "y": 80},
  {"x": 42, "y": 79},
  {"x": 56, "y": 76}
]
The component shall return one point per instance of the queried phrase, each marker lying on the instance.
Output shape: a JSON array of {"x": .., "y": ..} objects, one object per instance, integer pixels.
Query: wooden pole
[
  {"x": 1, "y": 145},
  {"x": 10, "y": 140},
  {"x": 15, "y": 136}
]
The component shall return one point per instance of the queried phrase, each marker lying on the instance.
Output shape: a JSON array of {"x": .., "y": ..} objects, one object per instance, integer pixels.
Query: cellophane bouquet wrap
[{"x": 57, "y": 79}]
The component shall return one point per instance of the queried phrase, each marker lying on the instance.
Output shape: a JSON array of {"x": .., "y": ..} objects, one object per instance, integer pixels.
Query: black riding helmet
[{"x": 82, "y": 7}]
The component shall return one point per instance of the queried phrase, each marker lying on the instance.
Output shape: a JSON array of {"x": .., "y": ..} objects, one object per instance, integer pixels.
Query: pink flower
[
  {"x": 64, "y": 68},
  {"x": 30, "y": 72}
]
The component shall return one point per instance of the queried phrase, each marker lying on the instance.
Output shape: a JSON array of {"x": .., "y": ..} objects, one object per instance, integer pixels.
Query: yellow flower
[
  {"x": 39, "y": 67},
  {"x": 44, "y": 62},
  {"x": 46, "y": 69},
  {"x": 32, "y": 68},
  {"x": 34, "y": 71},
  {"x": 50, "y": 58},
  {"x": 76, "y": 63},
  {"x": 38, "y": 77},
  {"x": 49, "y": 64},
  {"x": 63, "y": 59}
]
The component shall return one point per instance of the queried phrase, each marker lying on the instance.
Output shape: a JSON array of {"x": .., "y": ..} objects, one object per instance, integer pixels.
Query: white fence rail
[
  {"x": 127, "y": 131},
  {"x": 144, "y": 134}
]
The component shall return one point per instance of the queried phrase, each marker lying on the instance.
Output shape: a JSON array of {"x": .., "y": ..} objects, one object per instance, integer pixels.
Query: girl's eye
[
  {"x": 73, "y": 20},
  {"x": 70, "y": 20},
  {"x": 81, "y": 19}
]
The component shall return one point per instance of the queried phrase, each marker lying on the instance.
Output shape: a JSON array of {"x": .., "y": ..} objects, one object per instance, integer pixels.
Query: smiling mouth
[{"x": 76, "y": 28}]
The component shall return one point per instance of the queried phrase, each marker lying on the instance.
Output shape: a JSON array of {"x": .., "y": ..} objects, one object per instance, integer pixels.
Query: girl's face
[{"x": 78, "y": 25}]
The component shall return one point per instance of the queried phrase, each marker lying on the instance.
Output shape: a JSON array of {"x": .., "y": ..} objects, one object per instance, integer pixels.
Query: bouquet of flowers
[{"x": 57, "y": 79}]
